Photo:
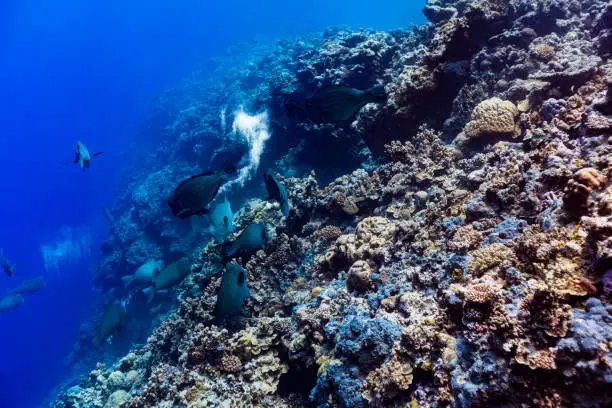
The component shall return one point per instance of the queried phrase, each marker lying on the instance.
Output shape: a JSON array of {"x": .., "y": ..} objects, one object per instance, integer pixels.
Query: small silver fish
[{"x": 82, "y": 156}]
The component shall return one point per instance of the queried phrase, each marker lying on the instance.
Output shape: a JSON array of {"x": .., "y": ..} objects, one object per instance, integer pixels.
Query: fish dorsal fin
[
  {"x": 335, "y": 88},
  {"x": 208, "y": 173}
]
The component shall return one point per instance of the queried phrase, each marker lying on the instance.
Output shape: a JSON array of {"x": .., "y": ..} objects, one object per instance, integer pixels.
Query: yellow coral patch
[{"x": 488, "y": 257}]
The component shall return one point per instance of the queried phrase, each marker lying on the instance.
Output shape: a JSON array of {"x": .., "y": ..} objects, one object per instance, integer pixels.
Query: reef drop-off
[{"x": 449, "y": 247}]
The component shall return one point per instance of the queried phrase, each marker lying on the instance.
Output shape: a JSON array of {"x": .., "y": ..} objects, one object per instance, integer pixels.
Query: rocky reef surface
[{"x": 451, "y": 247}]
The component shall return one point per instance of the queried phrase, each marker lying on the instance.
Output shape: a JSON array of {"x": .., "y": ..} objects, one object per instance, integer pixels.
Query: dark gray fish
[
  {"x": 193, "y": 195},
  {"x": 29, "y": 286},
  {"x": 232, "y": 293},
  {"x": 82, "y": 156},
  {"x": 338, "y": 103},
  {"x": 171, "y": 275},
  {"x": 278, "y": 192},
  {"x": 111, "y": 322},
  {"x": 7, "y": 267},
  {"x": 254, "y": 236},
  {"x": 10, "y": 302}
]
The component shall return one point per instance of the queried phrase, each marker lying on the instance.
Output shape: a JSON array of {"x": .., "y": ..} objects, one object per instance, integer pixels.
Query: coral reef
[{"x": 451, "y": 247}]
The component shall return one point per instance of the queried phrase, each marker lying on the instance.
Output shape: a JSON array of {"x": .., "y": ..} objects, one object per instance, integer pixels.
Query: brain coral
[{"x": 492, "y": 117}]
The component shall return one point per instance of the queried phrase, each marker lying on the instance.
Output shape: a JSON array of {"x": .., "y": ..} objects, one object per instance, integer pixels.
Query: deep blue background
[{"x": 78, "y": 69}]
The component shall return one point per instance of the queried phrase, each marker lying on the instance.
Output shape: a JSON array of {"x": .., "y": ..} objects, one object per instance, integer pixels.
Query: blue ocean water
[{"x": 73, "y": 70}]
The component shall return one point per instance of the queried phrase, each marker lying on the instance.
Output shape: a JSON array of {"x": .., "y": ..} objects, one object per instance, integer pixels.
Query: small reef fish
[
  {"x": 193, "y": 195},
  {"x": 221, "y": 218},
  {"x": 144, "y": 273},
  {"x": 171, "y": 275},
  {"x": 8, "y": 268},
  {"x": 232, "y": 293},
  {"x": 112, "y": 319},
  {"x": 254, "y": 236},
  {"x": 10, "y": 302},
  {"x": 278, "y": 192},
  {"x": 337, "y": 103},
  {"x": 82, "y": 156},
  {"x": 29, "y": 286}
]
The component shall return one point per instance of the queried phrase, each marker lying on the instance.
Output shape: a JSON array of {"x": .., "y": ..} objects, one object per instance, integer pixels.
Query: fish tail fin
[
  {"x": 229, "y": 249},
  {"x": 150, "y": 292},
  {"x": 127, "y": 280},
  {"x": 376, "y": 93},
  {"x": 285, "y": 207}
]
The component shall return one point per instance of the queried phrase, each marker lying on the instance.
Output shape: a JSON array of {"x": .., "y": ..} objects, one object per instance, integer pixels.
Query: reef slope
[{"x": 466, "y": 263}]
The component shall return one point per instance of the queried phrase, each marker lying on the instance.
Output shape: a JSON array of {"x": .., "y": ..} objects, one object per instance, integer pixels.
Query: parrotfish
[
  {"x": 10, "y": 302},
  {"x": 222, "y": 219},
  {"x": 232, "y": 293},
  {"x": 278, "y": 192},
  {"x": 7, "y": 267},
  {"x": 145, "y": 272},
  {"x": 171, "y": 275},
  {"x": 254, "y": 236},
  {"x": 82, "y": 156},
  {"x": 112, "y": 319},
  {"x": 29, "y": 286},
  {"x": 193, "y": 195},
  {"x": 337, "y": 103}
]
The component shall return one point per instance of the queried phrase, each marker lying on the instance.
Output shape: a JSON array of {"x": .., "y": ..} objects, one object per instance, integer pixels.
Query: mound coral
[{"x": 493, "y": 117}]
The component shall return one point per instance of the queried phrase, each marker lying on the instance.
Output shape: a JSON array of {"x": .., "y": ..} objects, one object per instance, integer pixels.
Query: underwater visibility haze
[{"x": 306, "y": 204}]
